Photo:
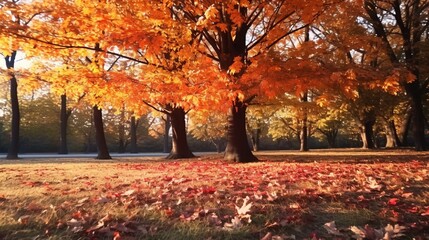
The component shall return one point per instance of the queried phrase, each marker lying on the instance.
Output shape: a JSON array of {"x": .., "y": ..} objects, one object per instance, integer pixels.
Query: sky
[{"x": 20, "y": 61}]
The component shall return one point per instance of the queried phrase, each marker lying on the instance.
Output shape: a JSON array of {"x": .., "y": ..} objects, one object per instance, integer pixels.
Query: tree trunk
[
  {"x": 217, "y": 145},
  {"x": 237, "y": 148},
  {"x": 391, "y": 136},
  {"x": 103, "y": 151},
  {"x": 14, "y": 137},
  {"x": 89, "y": 136},
  {"x": 133, "y": 135},
  {"x": 180, "y": 148},
  {"x": 303, "y": 135},
  {"x": 405, "y": 128},
  {"x": 331, "y": 137},
  {"x": 418, "y": 119},
  {"x": 367, "y": 134},
  {"x": 121, "y": 132},
  {"x": 167, "y": 126},
  {"x": 256, "y": 136},
  {"x": 64, "y": 117}
]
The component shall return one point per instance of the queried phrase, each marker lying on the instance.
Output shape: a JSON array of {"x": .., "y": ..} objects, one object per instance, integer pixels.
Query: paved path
[{"x": 93, "y": 155}]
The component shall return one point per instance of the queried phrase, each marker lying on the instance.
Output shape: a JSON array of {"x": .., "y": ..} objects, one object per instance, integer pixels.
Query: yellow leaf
[{"x": 236, "y": 66}]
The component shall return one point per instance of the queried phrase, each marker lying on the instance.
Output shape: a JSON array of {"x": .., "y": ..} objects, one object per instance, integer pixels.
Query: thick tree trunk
[
  {"x": 391, "y": 136},
  {"x": 237, "y": 148},
  {"x": 64, "y": 117},
  {"x": 367, "y": 134},
  {"x": 167, "y": 126},
  {"x": 103, "y": 151},
  {"x": 418, "y": 119},
  {"x": 133, "y": 135},
  {"x": 180, "y": 148},
  {"x": 14, "y": 137}
]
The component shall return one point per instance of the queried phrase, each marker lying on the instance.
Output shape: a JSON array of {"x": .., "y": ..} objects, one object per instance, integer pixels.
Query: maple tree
[
  {"x": 234, "y": 34},
  {"x": 15, "y": 16},
  {"x": 401, "y": 26},
  {"x": 209, "y": 53},
  {"x": 361, "y": 76}
]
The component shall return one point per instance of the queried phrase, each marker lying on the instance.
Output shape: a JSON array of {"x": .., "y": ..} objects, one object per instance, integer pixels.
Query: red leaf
[
  {"x": 393, "y": 201},
  {"x": 167, "y": 178},
  {"x": 116, "y": 236},
  {"x": 209, "y": 190},
  {"x": 169, "y": 212}
]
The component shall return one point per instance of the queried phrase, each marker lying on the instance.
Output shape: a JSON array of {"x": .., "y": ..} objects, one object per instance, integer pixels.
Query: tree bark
[
  {"x": 103, "y": 151},
  {"x": 121, "y": 132},
  {"x": 167, "y": 125},
  {"x": 391, "y": 137},
  {"x": 133, "y": 135},
  {"x": 418, "y": 118},
  {"x": 237, "y": 148},
  {"x": 16, "y": 118},
  {"x": 405, "y": 128},
  {"x": 64, "y": 117},
  {"x": 180, "y": 148},
  {"x": 303, "y": 134},
  {"x": 331, "y": 136},
  {"x": 256, "y": 137},
  {"x": 367, "y": 134},
  {"x": 217, "y": 144}
]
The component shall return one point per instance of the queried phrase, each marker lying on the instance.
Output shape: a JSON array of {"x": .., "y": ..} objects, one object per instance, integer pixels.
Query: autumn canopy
[{"x": 221, "y": 56}]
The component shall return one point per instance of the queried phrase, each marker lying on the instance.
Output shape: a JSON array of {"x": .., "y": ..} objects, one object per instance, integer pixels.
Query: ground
[{"x": 342, "y": 194}]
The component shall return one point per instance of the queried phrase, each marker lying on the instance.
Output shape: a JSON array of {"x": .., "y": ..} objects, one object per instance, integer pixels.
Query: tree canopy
[{"x": 207, "y": 55}]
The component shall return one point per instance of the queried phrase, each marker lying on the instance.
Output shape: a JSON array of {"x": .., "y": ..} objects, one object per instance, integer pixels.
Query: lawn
[{"x": 344, "y": 194}]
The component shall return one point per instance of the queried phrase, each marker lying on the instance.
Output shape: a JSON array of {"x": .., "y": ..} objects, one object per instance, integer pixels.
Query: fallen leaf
[
  {"x": 332, "y": 229},
  {"x": 24, "y": 220},
  {"x": 393, "y": 201},
  {"x": 75, "y": 223},
  {"x": 208, "y": 190},
  {"x": 394, "y": 231},
  {"x": 83, "y": 200},
  {"x": 235, "y": 224},
  {"x": 245, "y": 208},
  {"x": 407, "y": 195},
  {"x": 128, "y": 193}
]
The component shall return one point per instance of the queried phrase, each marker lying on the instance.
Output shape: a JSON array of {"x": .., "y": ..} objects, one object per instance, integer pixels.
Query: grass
[{"x": 291, "y": 195}]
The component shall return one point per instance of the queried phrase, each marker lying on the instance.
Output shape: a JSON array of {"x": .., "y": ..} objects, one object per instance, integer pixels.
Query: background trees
[{"x": 402, "y": 26}]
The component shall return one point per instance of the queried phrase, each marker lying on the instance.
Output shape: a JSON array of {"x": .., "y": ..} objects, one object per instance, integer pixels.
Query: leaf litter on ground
[{"x": 269, "y": 199}]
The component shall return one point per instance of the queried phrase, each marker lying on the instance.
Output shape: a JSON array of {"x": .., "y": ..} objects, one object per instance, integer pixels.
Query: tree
[
  {"x": 14, "y": 137},
  {"x": 258, "y": 119},
  {"x": 234, "y": 33},
  {"x": 39, "y": 122},
  {"x": 15, "y": 15},
  {"x": 402, "y": 46},
  {"x": 64, "y": 116},
  {"x": 209, "y": 126}
]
